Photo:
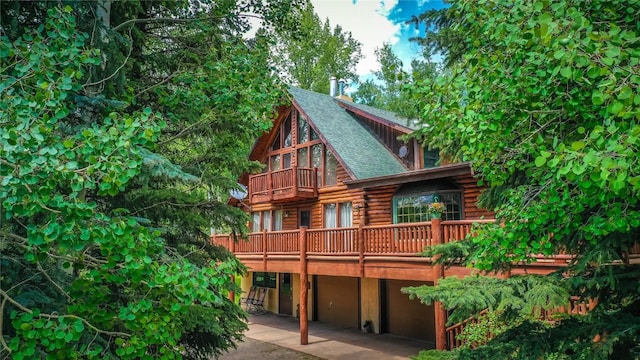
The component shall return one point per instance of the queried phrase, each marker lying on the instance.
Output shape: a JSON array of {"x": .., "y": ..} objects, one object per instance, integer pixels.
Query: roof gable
[{"x": 357, "y": 149}]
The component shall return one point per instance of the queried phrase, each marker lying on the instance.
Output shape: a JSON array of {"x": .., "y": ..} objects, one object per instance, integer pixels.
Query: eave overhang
[{"x": 438, "y": 172}]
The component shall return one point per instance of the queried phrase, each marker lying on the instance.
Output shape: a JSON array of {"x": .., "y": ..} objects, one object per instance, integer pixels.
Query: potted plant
[{"x": 436, "y": 209}]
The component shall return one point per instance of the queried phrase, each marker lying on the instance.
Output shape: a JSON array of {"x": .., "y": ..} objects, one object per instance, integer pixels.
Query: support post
[
  {"x": 264, "y": 250},
  {"x": 294, "y": 168},
  {"x": 438, "y": 273},
  {"x": 315, "y": 182},
  {"x": 361, "y": 249},
  {"x": 304, "y": 281},
  {"x": 269, "y": 185}
]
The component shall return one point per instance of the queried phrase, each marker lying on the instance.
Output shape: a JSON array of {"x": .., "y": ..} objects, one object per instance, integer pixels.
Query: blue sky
[{"x": 373, "y": 22}]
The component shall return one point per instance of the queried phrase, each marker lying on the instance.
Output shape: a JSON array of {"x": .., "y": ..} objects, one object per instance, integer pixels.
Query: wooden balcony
[
  {"x": 387, "y": 251},
  {"x": 290, "y": 184}
]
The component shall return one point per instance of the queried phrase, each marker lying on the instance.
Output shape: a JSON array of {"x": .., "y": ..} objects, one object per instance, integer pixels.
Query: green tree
[
  {"x": 543, "y": 99},
  {"x": 105, "y": 210},
  {"x": 393, "y": 87},
  {"x": 315, "y": 52}
]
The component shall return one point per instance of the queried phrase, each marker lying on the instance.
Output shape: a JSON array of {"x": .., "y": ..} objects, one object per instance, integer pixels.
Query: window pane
[
  {"x": 345, "y": 215},
  {"x": 286, "y": 132},
  {"x": 286, "y": 161},
  {"x": 258, "y": 279},
  {"x": 431, "y": 158},
  {"x": 275, "y": 163},
  {"x": 266, "y": 220},
  {"x": 330, "y": 169},
  {"x": 303, "y": 157},
  {"x": 314, "y": 136},
  {"x": 262, "y": 279},
  {"x": 330, "y": 215},
  {"x": 276, "y": 143},
  {"x": 277, "y": 220},
  {"x": 255, "y": 221},
  {"x": 316, "y": 160},
  {"x": 303, "y": 130}
]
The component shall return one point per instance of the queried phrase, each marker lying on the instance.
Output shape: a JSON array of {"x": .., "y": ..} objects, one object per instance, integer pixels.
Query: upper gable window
[
  {"x": 283, "y": 137},
  {"x": 305, "y": 132},
  {"x": 286, "y": 132}
]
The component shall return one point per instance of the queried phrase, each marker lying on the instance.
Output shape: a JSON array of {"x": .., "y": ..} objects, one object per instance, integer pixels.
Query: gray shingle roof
[
  {"x": 360, "y": 151},
  {"x": 384, "y": 114}
]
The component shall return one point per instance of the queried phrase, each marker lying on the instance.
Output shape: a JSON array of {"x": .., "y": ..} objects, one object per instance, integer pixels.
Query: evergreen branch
[
  {"x": 116, "y": 70},
  {"x": 51, "y": 317},
  {"x": 46, "y": 275},
  {"x": 182, "y": 132},
  {"x": 2, "y": 342},
  {"x": 175, "y": 20},
  {"x": 174, "y": 74}
]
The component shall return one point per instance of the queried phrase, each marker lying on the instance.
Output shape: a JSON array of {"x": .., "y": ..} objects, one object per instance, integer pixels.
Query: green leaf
[
  {"x": 615, "y": 108},
  {"x": 577, "y": 145},
  {"x": 597, "y": 97}
]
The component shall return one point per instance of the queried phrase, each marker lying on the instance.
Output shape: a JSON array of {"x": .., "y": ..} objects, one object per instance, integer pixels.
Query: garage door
[
  {"x": 338, "y": 301},
  {"x": 407, "y": 317}
]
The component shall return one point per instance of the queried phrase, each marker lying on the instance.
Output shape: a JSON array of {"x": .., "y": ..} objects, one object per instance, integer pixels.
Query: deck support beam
[
  {"x": 304, "y": 282},
  {"x": 438, "y": 273}
]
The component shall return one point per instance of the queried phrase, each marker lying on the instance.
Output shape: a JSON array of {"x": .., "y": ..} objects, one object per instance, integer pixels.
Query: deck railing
[
  {"x": 284, "y": 242},
  {"x": 575, "y": 306},
  {"x": 335, "y": 241},
  {"x": 392, "y": 240},
  {"x": 399, "y": 239}
]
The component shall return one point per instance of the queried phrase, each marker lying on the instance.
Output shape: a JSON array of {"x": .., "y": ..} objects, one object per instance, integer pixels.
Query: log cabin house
[{"x": 339, "y": 217}]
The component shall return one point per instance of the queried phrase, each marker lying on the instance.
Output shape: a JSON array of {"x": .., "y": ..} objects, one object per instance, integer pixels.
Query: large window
[
  {"x": 338, "y": 215},
  {"x": 414, "y": 207},
  {"x": 265, "y": 279},
  {"x": 266, "y": 220}
]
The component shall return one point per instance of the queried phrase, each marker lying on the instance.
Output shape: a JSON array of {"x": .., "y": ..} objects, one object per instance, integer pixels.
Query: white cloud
[{"x": 366, "y": 20}]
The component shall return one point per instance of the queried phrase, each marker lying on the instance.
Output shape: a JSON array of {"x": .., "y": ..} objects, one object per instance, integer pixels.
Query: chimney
[
  {"x": 333, "y": 85},
  {"x": 341, "y": 84}
]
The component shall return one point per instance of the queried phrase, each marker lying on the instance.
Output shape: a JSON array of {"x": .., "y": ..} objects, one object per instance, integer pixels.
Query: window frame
[
  {"x": 267, "y": 282},
  {"x": 445, "y": 216},
  {"x": 433, "y": 156},
  {"x": 338, "y": 214},
  {"x": 260, "y": 215}
]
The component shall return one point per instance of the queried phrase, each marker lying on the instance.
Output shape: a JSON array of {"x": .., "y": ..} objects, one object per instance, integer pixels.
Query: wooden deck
[
  {"x": 383, "y": 251},
  {"x": 291, "y": 184}
]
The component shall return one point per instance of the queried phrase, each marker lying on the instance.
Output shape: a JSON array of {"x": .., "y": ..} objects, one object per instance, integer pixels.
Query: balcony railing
[
  {"x": 381, "y": 240},
  {"x": 391, "y": 240},
  {"x": 288, "y": 184}
]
